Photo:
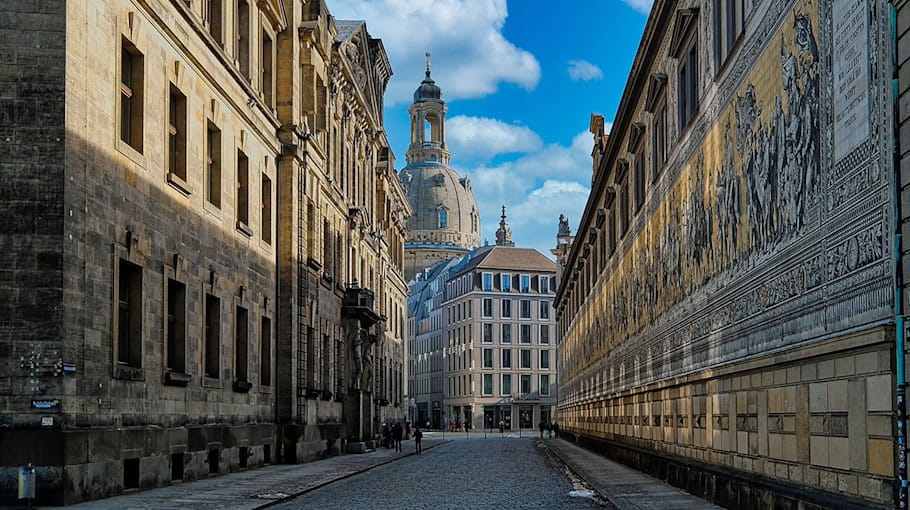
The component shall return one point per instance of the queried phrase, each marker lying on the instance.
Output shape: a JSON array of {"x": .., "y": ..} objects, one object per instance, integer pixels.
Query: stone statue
[
  {"x": 368, "y": 364},
  {"x": 564, "y": 229},
  {"x": 355, "y": 338}
]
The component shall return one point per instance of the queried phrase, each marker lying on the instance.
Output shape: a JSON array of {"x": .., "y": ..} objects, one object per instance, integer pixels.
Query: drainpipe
[{"x": 902, "y": 499}]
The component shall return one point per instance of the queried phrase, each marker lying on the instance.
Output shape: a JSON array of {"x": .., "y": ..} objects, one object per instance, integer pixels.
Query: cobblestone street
[{"x": 463, "y": 473}]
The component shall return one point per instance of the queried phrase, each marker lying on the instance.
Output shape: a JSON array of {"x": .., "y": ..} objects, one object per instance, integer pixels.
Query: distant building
[
  {"x": 426, "y": 344},
  {"x": 445, "y": 221},
  {"x": 500, "y": 362},
  {"x": 731, "y": 311}
]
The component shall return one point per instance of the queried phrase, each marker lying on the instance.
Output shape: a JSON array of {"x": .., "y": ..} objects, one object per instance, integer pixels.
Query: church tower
[{"x": 445, "y": 222}]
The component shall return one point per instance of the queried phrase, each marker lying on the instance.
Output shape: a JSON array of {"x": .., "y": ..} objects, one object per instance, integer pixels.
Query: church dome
[
  {"x": 428, "y": 90},
  {"x": 444, "y": 210}
]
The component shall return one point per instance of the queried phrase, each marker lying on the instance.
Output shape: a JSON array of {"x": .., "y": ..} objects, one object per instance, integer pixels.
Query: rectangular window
[
  {"x": 243, "y": 189},
  {"x": 265, "y": 352},
  {"x": 488, "y": 358},
  {"x": 505, "y": 281},
  {"x": 243, "y": 36},
  {"x": 213, "y": 165},
  {"x": 505, "y": 356},
  {"x": 506, "y": 308},
  {"x": 487, "y": 308},
  {"x": 688, "y": 84},
  {"x": 176, "y": 133},
  {"x": 543, "y": 311},
  {"x": 544, "y": 284},
  {"x": 506, "y": 334},
  {"x": 487, "y": 333},
  {"x": 525, "y": 283},
  {"x": 544, "y": 334},
  {"x": 728, "y": 26},
  {"x": 212, "y": 335},
  {"x": 659, "y": 139},
  {"x": 506, "y": 385},
  {"x": 213, "y": 15},
  {"x": 176, "y": 326},
  {"x": 129, "y": 315},
  {"x": 611, "y": 226},
  {"x": 544, "y": 385},
  {"x": 267, "y": 78},
  {"x": 487, "y": 282},
  {"x": 487, "y": 384},
  {"x": 544, "y": 359},
  {"x": 526, "y": 383},
  {"x": 265, "y": 213},
  {"x": 132, "y": 85},
  {"x": 241, "y": 344},
  {"x": 525, "y": 361},
  {"x": 524, "y": 333},
  {"x": 639, "y": 179},
  {"x": 524, "y": 309},
  {"x": 623, "y": 207}
]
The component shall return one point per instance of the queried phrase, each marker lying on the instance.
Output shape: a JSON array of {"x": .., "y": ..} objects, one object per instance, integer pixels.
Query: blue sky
[{"x": 520, "y": 78}]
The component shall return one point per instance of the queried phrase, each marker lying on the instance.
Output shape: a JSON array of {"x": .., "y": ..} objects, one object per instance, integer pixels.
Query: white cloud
[
  {"x": 642, "y": 6},
  {"x": 471, "y": 57},
  {"x": 484, "y": 137},
  {"x": 582, "y": 70},
  {"x": 536, "y": 188}
]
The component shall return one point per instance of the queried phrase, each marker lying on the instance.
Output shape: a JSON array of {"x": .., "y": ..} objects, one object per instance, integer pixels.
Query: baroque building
[
  {"x": 445, "y": 221},
  {"x": 728, "y": 312},
  {"x": 204, "y": 266}
]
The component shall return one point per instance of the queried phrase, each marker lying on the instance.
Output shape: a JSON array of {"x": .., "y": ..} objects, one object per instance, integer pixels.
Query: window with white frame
[
  {"x": 544, "y": 385},
  {"x": 487, "y": 281},
  {"x": 488, "y": 358},
  {"x": 544, "y": 334},
  {"x": 525, "y": 360},
  {"x": 524, "y": 309},
  {"x": 487, "y": 333},
  {"x": 544, "y": 283},
  {"x": 506, "y": 309},
  {"x": 524, "y": 333},
  {"x": 526, "y": 383},
  {"x": 487, "y": 308},
  {"x": 506, "y": 334},
  {"x": 544, "y": 310},
  {"x": 505, "y": 358},
  {"x": 506, "y": 385},
  {"x": 524, "y": 283},
  {"x": 728, "y": 26},
  {"x": 505, "y": 282},
  {"x": 544, "y": 358},
  {"x": 487, "y": 384}
]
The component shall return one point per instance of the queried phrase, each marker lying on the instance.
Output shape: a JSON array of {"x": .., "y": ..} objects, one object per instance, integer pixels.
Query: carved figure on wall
[
  {"x": 564, "y": 229},
  {"x": 728, "y": 205},
  {"x": 356, "y": 340}
]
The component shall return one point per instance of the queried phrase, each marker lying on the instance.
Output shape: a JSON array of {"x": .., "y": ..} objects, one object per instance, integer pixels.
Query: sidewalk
[
  {"x": 256, "y": 488},
  {"x": 624, "y": 487}
]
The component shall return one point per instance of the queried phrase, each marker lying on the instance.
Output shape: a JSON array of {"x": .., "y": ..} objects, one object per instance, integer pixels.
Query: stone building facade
[
  {"x": 500, "y": 362},
  {"x": 445, "y": 221},
  {"x": 170, "y": 164},
  {"x": 727, "y": 317},
  {"x": 426, "y": 350}
]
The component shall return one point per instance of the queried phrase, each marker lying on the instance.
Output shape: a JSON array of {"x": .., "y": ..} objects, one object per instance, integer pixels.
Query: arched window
[{"x": 443, "y": 218}]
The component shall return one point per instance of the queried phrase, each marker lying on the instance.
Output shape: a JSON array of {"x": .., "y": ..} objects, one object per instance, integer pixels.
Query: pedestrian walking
[
  {"x": 542, "y": 426},
  {"x": 549, "y": 430},
  {"x": 386, "y": 435},
  {"x": 397, "y": 432},
  {"x": 502, "y": 427},
  {"x": 418, "y": 437},
  {"x": 452, "y": 426},
  {"x": 556, "y": 428}
]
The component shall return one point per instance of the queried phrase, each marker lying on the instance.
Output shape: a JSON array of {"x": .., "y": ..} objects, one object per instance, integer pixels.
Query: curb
[
  {"x": 605, "y": 500},
  {"x": 343, "y": 477}
]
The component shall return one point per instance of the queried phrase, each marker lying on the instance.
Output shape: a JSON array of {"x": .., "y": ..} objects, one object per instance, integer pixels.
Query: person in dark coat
[
  {"x": 556, "y": 428},
  {"x": 397, "y": 432},
  {"x": 542, "y": 426},
  {"x": 386, "y": 435},
  {"x": 418, "y": 438}
]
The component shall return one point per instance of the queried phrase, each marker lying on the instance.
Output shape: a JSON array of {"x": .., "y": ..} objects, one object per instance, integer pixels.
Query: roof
[
  {"x": 507, "y": 258},
  {"x": 347, "y": 27}
]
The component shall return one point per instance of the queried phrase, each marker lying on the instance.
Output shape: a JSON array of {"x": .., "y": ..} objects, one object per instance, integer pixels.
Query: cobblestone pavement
[
  {"x": 255, "y": 488},
  {"x": 479, "y": 472}
]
